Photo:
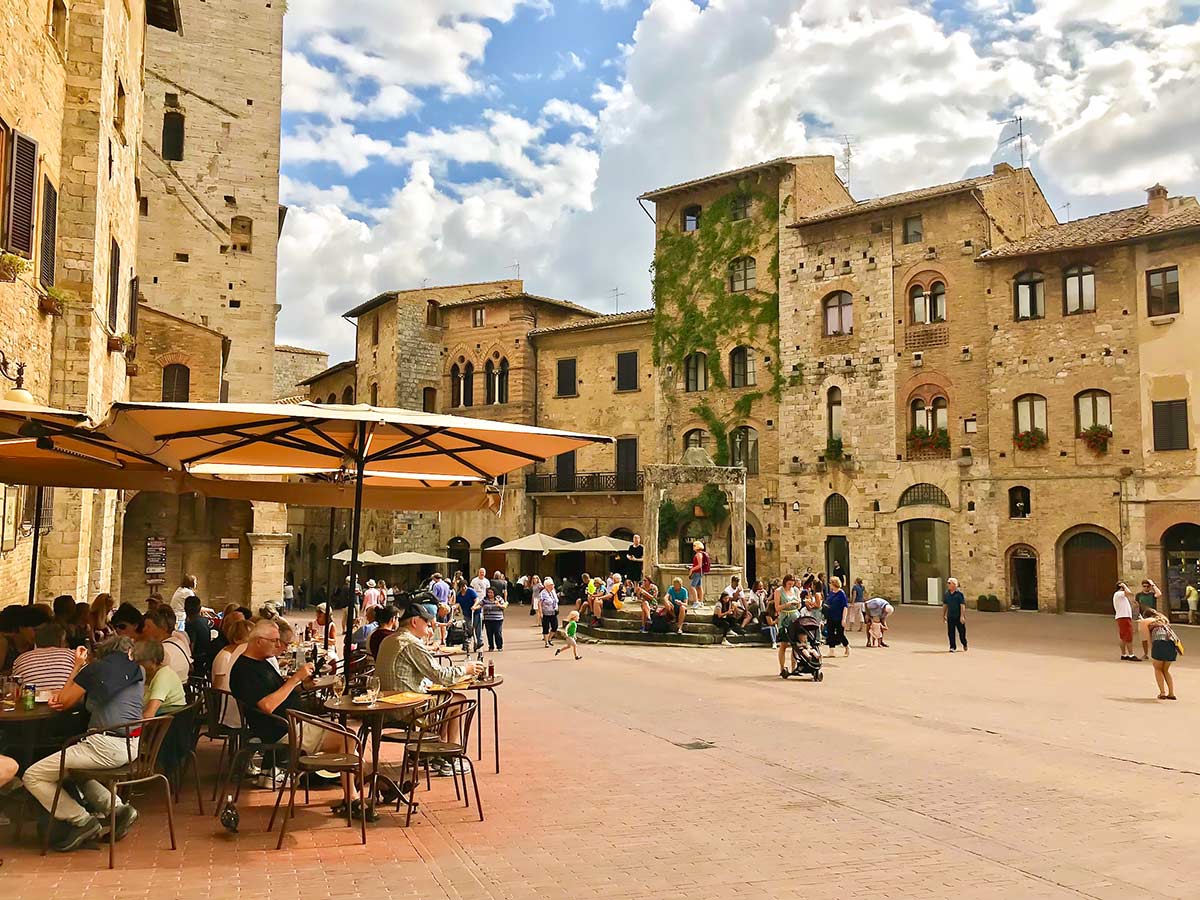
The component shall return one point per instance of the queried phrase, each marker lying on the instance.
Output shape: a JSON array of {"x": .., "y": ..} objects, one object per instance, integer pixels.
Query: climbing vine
[
  {"x": 695, "y": 310},
  {"x": 673, "y": 517}
]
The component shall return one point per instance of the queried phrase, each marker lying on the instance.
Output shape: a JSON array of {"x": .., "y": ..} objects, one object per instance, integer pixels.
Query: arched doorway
[
  {"x": 1089, "y": 572},
  {"x": 924, "y": 560},
  {"x": 568, "y": 565},
  {"x": 751, "y": 554},
  {"x": 1023, "y": 577},
  {"x": 459, "y": 550},
  {"x": 1181, "y": 561},
  {"x": 837, "y": 550},
  {"x": 493, "y": 560}
]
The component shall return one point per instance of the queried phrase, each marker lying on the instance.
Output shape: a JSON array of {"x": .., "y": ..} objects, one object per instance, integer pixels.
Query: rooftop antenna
[
  {"x": 849, "y": 142},
  {"x": 617, "y": 294},
  {"x": 1067, "y": 207},
  {"x": 516, "y": 266},
  {"x": 1019, "y": 140},
  {"x": 424, "y": 283}
]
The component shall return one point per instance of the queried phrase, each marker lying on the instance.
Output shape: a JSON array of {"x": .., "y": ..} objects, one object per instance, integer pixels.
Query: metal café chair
[
  {"x": 246, "y": 746},
  {"x": 425, "y": 741},
  {"x": 141, "y": 769}
]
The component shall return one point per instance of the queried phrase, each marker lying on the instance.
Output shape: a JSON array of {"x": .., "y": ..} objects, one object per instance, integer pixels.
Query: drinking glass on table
[{"x": 373, "y": 688}]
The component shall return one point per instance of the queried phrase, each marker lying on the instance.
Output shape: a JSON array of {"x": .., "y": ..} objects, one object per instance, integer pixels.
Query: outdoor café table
[
  {"x": 320, "y": 684},
  {"x": 372, "y": 714},
  {"x": 489, "y": 685},
  {"x": 29, "y": 721}
]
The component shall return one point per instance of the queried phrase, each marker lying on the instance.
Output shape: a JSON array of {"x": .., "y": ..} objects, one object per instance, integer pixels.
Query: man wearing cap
[{"x": 372, "y": 596}]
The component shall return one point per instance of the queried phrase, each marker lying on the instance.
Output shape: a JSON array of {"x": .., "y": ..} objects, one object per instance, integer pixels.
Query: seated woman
[
  {"x": 728, "y": 614},
  {"x": 164, "y": 691}
]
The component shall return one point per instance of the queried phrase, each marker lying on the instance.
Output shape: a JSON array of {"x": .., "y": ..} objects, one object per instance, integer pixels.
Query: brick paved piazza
[{"x": 1037, "y": 765}]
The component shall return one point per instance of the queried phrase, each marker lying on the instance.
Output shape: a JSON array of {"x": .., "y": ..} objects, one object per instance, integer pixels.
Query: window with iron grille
[
  {"x": 837, "y": 511},
  {"x": 1170, "y": 425},
  {"x": 176, "y": 383},
  {"x": 924, "y": 494},
  {"x": 627, "y": 375}
]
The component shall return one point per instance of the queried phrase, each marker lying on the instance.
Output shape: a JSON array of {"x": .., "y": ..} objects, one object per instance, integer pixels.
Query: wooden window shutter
[
  {"x": 49, "y": 233},
  {"x": 134, "y": 290},
  {"x": 114, "y": 285},
  {"x": 22, "y": 195},
  {"x": 1170, "y": 425}
]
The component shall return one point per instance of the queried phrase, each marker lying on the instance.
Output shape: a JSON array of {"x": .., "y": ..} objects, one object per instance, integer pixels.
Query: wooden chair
[
  {"x": 303, "y": 764},
  {"x": 142, "y": 768}
]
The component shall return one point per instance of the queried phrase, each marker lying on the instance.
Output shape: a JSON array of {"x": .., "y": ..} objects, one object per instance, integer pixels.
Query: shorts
[
  {"x": 1125, "y": 629},
  {"x": 697, "y": 580},
  {"x": 1164, "y": 651}
]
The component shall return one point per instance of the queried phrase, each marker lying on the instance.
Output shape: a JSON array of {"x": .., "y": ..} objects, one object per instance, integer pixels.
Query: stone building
[
  {"x": 295, "y": 365},
  {"x": 71, "y": 111}
]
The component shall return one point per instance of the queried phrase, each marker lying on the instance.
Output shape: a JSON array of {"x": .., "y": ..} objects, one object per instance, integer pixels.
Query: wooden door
[{"x": 1089, "y": 573}]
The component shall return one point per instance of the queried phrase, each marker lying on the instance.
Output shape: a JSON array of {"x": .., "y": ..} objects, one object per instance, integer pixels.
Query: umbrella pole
[
  {"x": 37, "y": 543},
  {"x": 358, "y": 490},
  {"x": 329, "y": 583}
]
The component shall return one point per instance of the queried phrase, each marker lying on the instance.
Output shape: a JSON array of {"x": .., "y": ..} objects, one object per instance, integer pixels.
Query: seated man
[
  {"x": 677, "y": 600},
  {"x": 49, "y": 664},
  {"x": 17, "y": 626},
  {"x": 111, "y": 688},
  {"x": 264, "y": 693},
  {"x": 646, "y": 595},
  {"x": 159, "y": 625},
  {"x": 728, "y": 612}
]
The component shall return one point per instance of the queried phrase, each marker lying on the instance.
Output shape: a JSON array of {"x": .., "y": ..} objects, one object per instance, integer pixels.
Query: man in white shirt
[
  {"x": 187, "y": 588},
  {"x": 480, "y": 583},
  {"x": 1123, "y": 612},
  {"x": 159, "y": 625},
  {"x": 372, "y": 596},
  {"x": 289, "y": 594}
]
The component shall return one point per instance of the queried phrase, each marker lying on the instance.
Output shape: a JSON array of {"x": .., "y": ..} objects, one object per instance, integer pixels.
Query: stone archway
[
  {"x": 1022, "y": 574},
  {"x": 1090, "y": 559}
]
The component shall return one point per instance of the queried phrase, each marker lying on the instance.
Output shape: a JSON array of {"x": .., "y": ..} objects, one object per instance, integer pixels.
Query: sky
[{"x": 434, "y": 142}]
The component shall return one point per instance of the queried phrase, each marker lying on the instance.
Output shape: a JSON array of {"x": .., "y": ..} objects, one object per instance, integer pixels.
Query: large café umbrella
[
  {"x": 350, "y": 442},
  {"x": 537, "y": 543}
]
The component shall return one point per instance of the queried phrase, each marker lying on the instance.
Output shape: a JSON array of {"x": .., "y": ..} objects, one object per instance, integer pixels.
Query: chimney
[
  {"x": 1002, "y": 168},
  {"x": 1156, "y": 201}
]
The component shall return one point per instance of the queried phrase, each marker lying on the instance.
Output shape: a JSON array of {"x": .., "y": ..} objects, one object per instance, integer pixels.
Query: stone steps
[{"x": 624, "y": 627}]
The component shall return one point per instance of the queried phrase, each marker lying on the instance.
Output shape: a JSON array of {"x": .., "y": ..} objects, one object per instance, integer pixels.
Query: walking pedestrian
[
  {"x": 548, "y": 604},
  {"x": 1192, "y": 598},
  {"x": 1122, "y": 600},
  {"x": 289, "y": 594},
  {"x": 837, "y": 611},
  {"x": 954, "y": 609},
  {"x": 1164, "y": 650},
  {"x": 466, "y": 598},
  {"x": 1147, "y": 598},
  {"x": 492, "y": 609},
  {"x": 858, "y": 595},
  {"x": 570, "y": 631},
  {"x": 700, "y": 565},
  {"x": 788, "y": 601}
]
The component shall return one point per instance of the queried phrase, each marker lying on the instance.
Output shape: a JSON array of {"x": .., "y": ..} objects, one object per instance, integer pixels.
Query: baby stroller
[{"x": 804, "y": 635}]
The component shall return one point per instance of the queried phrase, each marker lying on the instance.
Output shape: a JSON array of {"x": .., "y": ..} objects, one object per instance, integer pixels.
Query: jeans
[
  {"x": 100, "y": 751},
  {"x": 771, "y": 631},
  {"x": 953, "y": 625},
  {"x": 549, "y": 623},
  {"x": 476, "y": 627},
  {"x": 495, "y": 633},
  {"x": 726, "y": 625}
]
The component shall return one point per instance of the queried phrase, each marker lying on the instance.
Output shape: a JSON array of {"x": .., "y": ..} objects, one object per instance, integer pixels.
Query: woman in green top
[
  {"x": 164, "y": 690},
  {"x": 788, "y": 603}
]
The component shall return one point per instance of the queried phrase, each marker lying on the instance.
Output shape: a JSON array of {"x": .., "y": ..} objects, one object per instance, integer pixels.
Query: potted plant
[
  {"x": 54, "y": 300},
  {"x": 1033, "y": 439},
  {"x": 11, "y": 266},
  {"x": 1096, "y": 437},
  {"x": 919, "y": 439},
  {"x": 121, "y": 343},
  {"x": 833, "y": 450},
  {"x": 131, "y": 370}
]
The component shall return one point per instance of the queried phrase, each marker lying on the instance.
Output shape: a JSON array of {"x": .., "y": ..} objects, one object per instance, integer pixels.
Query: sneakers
[
  {"x": 266, "y": 780},
  {"x": 444, "y": 768},
  {"x": 75, "y": 836},
  {"x": 460, "y": 766},
  {"x": 774, "y": 646},
  {"x": 725, "y": 642},
  {"x": 680, "y": 632},
  {"x": 645, "y": 631},
  {"x": 126, "y": 816}
]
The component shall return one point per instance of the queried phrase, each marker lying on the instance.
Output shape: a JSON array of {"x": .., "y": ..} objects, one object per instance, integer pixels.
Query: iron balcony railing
[{"x": 583, "y": 483}]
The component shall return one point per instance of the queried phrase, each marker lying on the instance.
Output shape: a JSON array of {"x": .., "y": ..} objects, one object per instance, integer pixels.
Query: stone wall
[
  {"x": 294, "y": 365},
  {"x": 165, "y": 340}
]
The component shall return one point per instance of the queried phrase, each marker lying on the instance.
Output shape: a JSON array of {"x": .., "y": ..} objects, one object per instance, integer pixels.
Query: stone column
[
  {"x": 653, "y": 495},
  {"x": 268, "y": 542},
  {"x": 737, "y": 511}
]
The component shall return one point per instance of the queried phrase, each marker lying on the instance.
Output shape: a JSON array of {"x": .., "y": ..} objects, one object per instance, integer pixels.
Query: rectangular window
[
  {"x": 1162, "y": 292},
  {"x": 914, "y": 233},
  {"x": 375, "y": 332},
  {"x": 49, "y": 248},
  {"x": 1170, "y": 425},
  {"x": 114, "y": 285},
  {"x": 565, "y": 385},
  {"x": 477, "y": 317},
  {"x": 627, "y": 374},
  {"x": 627, "y": 464},
  {"x": 134, "y": 290},
  {"x": 739, "y": 207},
  {"x": 21, "y": 202},
  {"x": 564, "y": 471}
]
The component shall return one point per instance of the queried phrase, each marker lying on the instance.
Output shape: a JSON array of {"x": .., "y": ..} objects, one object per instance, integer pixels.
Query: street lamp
[{"x": 17, "y": 393}]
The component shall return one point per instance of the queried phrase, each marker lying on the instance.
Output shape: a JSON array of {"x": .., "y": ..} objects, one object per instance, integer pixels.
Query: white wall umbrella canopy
[
  {"x": 370, "y": 557},
  {"x": 410, "y": 558},
  {"x": 537, "y": 543},
  {"x": 603, "y": 544}
]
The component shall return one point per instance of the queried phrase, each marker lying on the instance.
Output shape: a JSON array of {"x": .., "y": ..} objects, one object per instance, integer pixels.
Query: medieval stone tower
[{"x": 210, "y": 181}]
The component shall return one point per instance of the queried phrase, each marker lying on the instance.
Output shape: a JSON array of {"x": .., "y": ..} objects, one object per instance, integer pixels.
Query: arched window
[
  {"x": 332, "y": 398},
  {"x": 741, "y": 274},
  {"x": 697, "y": 437},
  {"x": 741, "y": 367},
  {"x": 1029, "y": 296},
  {"x": 241, "y": 234},
  {"x": 690, "y": 218},
  {"x": 455, "y": 386},
  {"x": 1029, "y": 412},
  {"x": 1079, "y": 290},
  {"x": 502, "y": 382},
  {"x": 176, "y": 383},
  {"x": 937, "y": 302},
  {"x": 695, "y": 372},
  {"x": 468, "y": 385},
  {"x": 348, "y": 395},
  {"x": 172, "y": 135},
  {"x": 1018, "y": 502},
  {"x": 833, "y": 413},
  {"x": 933, "y": 416},
  {"x": 1093, "y": 408},
  {"x": 489, "y": 382},
  {"x": 920, "y": 415},
  {"x": 917, "y": 305},
  {"x": 429, "y": 399},
  {"x": 837, "y": 511},
  {"x": 927, "y": 306},
  {"x": 839, "y": 314},
  {"x": 374, "y": 394},
  {"x": 743, "y": 449},
  {"x": 924, "y": 494}
]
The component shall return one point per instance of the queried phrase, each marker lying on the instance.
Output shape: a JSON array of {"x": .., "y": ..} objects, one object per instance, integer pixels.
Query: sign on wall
[
  {"x": 156, "y": 556},
  {"x": 8, "y": 518},
  {"x": 231, "y": 548}
]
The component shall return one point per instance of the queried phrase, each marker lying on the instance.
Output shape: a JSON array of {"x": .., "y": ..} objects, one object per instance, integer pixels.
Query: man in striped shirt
[{"x": 50, "y": 664}]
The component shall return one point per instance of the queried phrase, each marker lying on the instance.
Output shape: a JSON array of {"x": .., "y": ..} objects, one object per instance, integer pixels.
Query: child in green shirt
[{"x": 569, "y": 630}]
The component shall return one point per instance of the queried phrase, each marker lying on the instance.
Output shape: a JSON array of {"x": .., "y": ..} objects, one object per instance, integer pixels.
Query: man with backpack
[{"x": 701, "y": 565}]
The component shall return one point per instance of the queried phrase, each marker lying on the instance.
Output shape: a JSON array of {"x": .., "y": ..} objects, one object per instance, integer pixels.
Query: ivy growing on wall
[
  {"x": 696, "y": 311},
  {"x": 673, "y": 517}
]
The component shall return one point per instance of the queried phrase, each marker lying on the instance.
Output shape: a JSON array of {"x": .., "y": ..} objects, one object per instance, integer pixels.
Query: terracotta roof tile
[
  {"x": 719, "y": 176},
  {"x": 1106, "y": 228},
  {"x": 493, "y": 298},
  {"x": 890, "y": 200},
  {"x": 335, "y": 368},
  {"x": 606, "y": 321},
  {"x": 289, "y": 348}
]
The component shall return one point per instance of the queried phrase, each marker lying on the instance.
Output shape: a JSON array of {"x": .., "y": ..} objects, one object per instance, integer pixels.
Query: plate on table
[{"x": 362, "y": 700}]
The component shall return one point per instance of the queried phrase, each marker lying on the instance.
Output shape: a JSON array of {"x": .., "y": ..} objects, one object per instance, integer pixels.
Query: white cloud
[
  {"x": 568, "y": 63},
  {"x": 1107, "y": 98}
]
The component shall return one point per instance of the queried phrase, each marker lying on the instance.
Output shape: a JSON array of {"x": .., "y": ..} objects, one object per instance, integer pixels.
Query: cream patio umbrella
[
  {"x": 538, "y": 543},
  {"x": 347, "y": 442},
  {"x": 370, "y": 557},
  {"x": 410, "y": 558},
  {"x": 601, "y": 544}
]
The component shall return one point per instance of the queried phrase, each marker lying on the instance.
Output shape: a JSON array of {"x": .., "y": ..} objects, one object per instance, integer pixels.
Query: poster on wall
[
  {"x": 231, "y": 548},
  {"x": 156, "y": 556},
  {"x": 8, "y": 518}
]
